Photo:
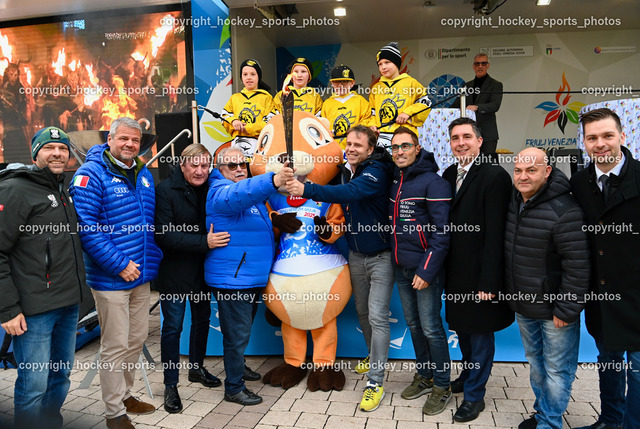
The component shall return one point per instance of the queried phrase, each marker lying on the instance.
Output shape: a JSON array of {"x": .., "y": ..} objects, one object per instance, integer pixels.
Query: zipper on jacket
[
  {"x": 47, "y": 260},
  {"x": 396, "y": 212},
  {"x": 244, "y": 255},
  {"x": 73, "y": 244}
]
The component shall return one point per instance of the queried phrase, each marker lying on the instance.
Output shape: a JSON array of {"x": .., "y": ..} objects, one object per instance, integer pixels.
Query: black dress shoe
[
  {"x": 530, "y": 423},
  {"x": 457, "y": 386},
  {"x": 202, "y": 376},
  {"x": 172, "y": 403},
  {"x": 245, "y": 397},
  {"x": 600, "y": 425},
  {"x": 250, "y": 375},
  {"x": 468, "y": 411}
]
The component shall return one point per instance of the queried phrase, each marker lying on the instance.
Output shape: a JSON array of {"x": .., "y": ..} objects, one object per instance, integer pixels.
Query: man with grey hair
[
  {"x": 484, "y": 96},
  {"x": 115, "y": 200}
]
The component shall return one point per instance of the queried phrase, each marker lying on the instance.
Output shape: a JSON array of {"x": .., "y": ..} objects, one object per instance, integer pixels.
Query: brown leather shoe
[
  {"x": 120, "y": 422},
  {"x": 135, "y": 406}
]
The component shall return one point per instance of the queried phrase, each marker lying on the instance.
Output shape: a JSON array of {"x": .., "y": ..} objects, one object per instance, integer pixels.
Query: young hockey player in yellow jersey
[
  {"x": 397, "y": 99},
  {"x": 244, "y": 114},
  {"x": 306, "y": 99},
  {"x": 345, "y": 108}
]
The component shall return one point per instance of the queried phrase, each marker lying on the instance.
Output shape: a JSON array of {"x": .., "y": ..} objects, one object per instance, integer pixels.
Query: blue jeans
[
  {"x": 422, "y": 313},
  {"x": 44, "y": 354},
  {"x": 172, "y": 318},
  {"x": 235, "y": 311},
  {"x": 552, "y": 354},
  {"x": 372, "y": 281},
  {"x": 615, "y": 411}
]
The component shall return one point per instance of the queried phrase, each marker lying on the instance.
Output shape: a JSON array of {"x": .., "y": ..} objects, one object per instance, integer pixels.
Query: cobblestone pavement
[{"x": 509, "y": 399}]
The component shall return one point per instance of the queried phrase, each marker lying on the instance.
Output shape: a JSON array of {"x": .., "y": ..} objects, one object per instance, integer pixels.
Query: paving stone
[
  {"x": 310, "y": 406},
  {"x": 178, "y": 421},
  {"x": 510, "y": 406},
  {"x": 342, "y": 409},
  {"x": 311, "y": 420},
  {"x": 280, "y": 418},
  {"x": 375, "y": 423},
  {"x": 245, "y": 419},
  {"x": 408, "y": 413},
  {"x": 215, "y": 421},
  {"x": 344, "y": 422}
]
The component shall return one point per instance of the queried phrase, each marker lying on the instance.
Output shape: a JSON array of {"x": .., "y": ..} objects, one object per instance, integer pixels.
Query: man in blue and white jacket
[
  {"x": 239, "y": 271},
  {"x": 115, "y": 200}
]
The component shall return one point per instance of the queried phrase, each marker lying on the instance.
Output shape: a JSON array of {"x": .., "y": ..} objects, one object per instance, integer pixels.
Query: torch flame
[
  {"x": 60, "y": 62},
  {"x": 92, "y": 77},
  {"x": 74, "y": 64},
  {"x": 564, "y": 88},
  {"x": 117, "y": 105},
  {"x": 27, "y": 72},
  {"x": 161, "y": 34},
  {"x": 6, "y": 49}
]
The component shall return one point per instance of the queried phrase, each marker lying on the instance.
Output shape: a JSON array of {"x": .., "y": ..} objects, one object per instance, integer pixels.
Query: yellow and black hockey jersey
[
  {"x": 389, "y": 98},
  {"x": 305, "y": 99},
  {"x": 343, "y": 112},
  {"x": 250, "y": 107}
]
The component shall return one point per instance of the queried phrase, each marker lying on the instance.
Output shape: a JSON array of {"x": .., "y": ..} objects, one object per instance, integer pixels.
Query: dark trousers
[
  {"x": 477, "y": 360},
  {"x": 173, "y": 315},
  {"x": 236, "y": 310}
]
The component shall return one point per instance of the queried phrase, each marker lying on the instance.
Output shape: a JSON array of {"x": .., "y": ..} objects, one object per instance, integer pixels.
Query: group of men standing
[{"x": 542, "y": 249}]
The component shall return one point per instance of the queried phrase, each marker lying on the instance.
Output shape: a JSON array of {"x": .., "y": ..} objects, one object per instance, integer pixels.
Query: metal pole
[{"x": 170, "y": 144}]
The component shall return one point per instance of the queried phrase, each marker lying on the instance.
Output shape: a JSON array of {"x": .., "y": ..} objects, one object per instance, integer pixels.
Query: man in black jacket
[
  {"x": 42, "y": 278},
  {"x": 609, "y": 193},
  {"x": 362, "y": 188},
  {"x": 484, "y": 96},
  {"x": 475, "y": 264},
  {"x": 546, "y": 277},
  {"x": 184, "y": 239}
]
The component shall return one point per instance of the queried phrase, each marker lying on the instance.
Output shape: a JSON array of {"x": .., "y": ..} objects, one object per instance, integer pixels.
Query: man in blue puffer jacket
[
  {"x": 419, "y": 213},
  {"x": 240, "y": 270},
  {"x": 115, "y": 200}
]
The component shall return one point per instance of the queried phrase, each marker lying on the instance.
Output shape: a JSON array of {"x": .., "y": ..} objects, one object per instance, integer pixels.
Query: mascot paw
[
  {"x": 326, "y": 378},
  {"x": 284, "y": 375},
  {"x": 272, "y": 319}
]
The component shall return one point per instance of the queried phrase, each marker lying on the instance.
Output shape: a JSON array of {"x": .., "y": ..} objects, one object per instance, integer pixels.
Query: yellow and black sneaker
[
  {"x": 363, "y": 366},
  {"x": 372, "y": 397}
]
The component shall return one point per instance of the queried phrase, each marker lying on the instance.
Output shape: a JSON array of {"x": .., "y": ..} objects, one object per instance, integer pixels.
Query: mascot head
[{"x": 316, "y": 154}]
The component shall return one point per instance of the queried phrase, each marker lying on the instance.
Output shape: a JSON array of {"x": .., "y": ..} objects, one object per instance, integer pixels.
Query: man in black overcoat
[
  {"x": 609, "y": 192},
  {"x": 475, "y": 268}
]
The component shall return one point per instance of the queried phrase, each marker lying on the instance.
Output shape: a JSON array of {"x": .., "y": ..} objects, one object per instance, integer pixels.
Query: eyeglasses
[
  {"x": 404, "y": 146},
  {"x": 232, "y": 166},
  {"x": 481, "y": 63}
]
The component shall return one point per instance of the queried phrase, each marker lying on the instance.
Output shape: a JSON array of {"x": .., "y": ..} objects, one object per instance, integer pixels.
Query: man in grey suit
[{"x": 484, "y": 96}]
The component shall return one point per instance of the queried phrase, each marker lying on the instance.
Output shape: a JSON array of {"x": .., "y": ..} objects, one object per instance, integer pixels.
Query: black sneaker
[
  {"x": 245, "y": 397},
  {"x": 172, "y": 403},
  {"x": 202, "y": 376},
  {"x": 250, "y": 375},
  {"x": 530, "y": 423}
]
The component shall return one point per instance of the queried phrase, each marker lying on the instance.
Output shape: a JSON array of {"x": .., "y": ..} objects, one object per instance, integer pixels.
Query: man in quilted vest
[{"x": 115, "y": 201}]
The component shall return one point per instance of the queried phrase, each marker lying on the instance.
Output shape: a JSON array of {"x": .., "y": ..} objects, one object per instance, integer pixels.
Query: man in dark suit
[
  {"x": 475, "y": 262},
  {"x": 484, "y": 96},
  {"x": 609, "y": 193}
]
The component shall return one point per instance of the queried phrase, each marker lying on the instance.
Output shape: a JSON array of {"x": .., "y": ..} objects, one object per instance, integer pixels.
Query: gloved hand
[
  {"x": 286, "y": 222},
  {"x": 323, "y": 228}
]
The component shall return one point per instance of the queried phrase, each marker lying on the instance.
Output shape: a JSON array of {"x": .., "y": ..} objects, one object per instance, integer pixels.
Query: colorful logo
[{"x": 561, "y": 111}]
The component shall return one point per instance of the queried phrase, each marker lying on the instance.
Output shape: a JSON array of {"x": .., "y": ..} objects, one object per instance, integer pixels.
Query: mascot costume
[{"x": 309, "y": 284}]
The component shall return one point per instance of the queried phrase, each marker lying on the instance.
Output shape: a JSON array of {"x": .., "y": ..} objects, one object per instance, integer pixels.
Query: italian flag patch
[{"x": 81, "y": 181}]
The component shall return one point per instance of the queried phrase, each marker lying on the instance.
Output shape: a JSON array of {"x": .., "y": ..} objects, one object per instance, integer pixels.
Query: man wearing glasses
[
  {"x": 419, "y": 213},
  {"x": 240, "y": 270},
  {"x": 484, "y": 96}
]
